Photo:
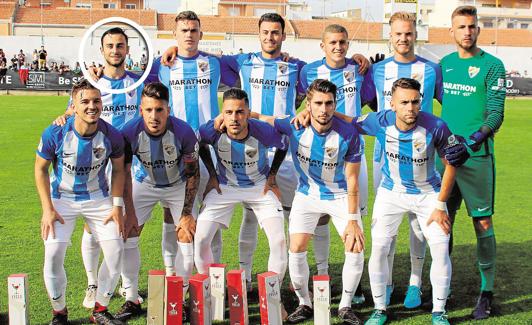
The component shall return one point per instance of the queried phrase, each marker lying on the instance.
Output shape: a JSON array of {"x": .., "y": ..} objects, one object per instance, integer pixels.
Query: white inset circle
[{"x": 91, "y": 30}]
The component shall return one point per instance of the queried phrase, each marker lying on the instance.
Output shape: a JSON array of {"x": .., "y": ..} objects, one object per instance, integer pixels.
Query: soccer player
[
  {"x": 79, "y": 153},
  {"x": 166, "y": 170},
  {"x": 404, "y": 64},
  {"x": 243, "y": 176},
  {"x": 327, "y": 159},
  {"x": 117, "y": 110},
  {"x": 410, "y": 183},
  {"x": 473, "y": 106}
]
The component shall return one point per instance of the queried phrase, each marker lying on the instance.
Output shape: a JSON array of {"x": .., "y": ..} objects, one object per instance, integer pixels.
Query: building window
[
  {"x": 510, "y": 25},
  {"x": 130, "y": 6},
  {"x": 83, "y": 5},
  {"x": 109, "y": 5},
  {"x": 524, "y": 26},
  {"x": 488, "y": 24},
  {"x": 234, "y": 11}
]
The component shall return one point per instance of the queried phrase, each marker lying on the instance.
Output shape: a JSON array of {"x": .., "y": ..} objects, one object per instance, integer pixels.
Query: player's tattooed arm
[
  {"x": 353, "y": 236},
  {"x": 271, "y": 182},
  {"x": 187, "y": 224},
  {"x": 440, "y": 215},
  {"x": 212, "y": 183},
  {"x": 118, "y": 176},
  {"x": 42, "y": 181}
]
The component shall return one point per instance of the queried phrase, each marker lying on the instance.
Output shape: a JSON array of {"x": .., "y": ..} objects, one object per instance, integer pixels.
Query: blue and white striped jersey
[
  {"x": 319, "y": 159},
  {"x": 408, "y": 155},
  {"x": 193, "y": 84},
  {"x": 243, "y": 163},
  {"x": 351, "y": 87},
  {"x": 271, "y": 84},
  {"x": 384, "y": 73},
  {"x": 78, "y": 163},
  {"x": 160, "y": 159}
]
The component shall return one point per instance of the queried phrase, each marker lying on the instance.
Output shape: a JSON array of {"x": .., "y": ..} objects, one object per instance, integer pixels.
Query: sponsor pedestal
[
  {"x": 18, "y": 299},
  {"x": 156, "y": 291},
  {"x": 200, "y": 300},
  {"x": 270, "y": 299},
  {"x": 322, "y": 300},
  {"x": 217, "y": 278},
  {"x": 173, "y": 299},
  {"x": 237, "y": 297}
]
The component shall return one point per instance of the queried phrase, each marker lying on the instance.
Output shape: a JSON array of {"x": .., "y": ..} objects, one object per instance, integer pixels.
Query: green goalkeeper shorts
[{"x": 475, "y": 184}]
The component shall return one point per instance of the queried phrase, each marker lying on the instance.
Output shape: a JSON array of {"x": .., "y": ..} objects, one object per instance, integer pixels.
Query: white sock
[
  {"x": 278, "y": 259},
  {"x": 390, "y": 258},
  {"x": 185, "y": 266},
  {"x": 54, "y": 274},
  {"x": 378, "y": 270},
  {"x": 299, "y": 274},
  {"x": 109, "y": 273},
  {"x": 247, "y": 241},
  {"x": 131, "y": 269},
  {"x": 440, "y": 275},
  {"x": 418, "y": 246},
  {"x": 169, "y": 247},
  {"x": 90, "y": 253},
  {"x": 217, "y": 246},
  {"x": 321, "y": 248},
  {"x": 351, "y": 273}
]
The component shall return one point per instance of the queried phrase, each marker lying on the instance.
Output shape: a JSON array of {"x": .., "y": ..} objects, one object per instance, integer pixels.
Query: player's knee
[
  {"x": 482, "y": 225},
  {"x": 381, "y": 245},
  {"x": 297, "y": 246},
  {"x": 167, "y": 216},
  {"x": 324, "y": 220},
  {"x": 182, "y": 237}
]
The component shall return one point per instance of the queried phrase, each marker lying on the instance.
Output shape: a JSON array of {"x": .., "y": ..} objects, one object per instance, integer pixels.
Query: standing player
[
  {"x": 243, "y": 176},
  {"x": 344, "y": 73},
  {"x": 473, "y": 106},
  {"x": 117, "y": 110},
  {"x": 79, "y": 153},
  {"x": 327, "y": 159},
  {"x": 166, "y": 170},
  {"x": 404, "y": 64},
  {"x": 410, "y": 183}
]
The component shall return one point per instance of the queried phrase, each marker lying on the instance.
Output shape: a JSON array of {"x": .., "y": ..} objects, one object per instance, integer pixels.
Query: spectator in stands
[
  {"x": 21, "y": 58},
  {"x": 136, "y": 67},
  {"x": 63, "y": 68},
  {"x": 14, "y": 63},
  {"x": 144, "y": 60},
  {"x": 55, "y": 67},
  {"x": 3, "y": 57},
  {"x": 3, "y": 70},
  {"x": 35, "y": 58},
  {"x": 129, "y": 62},
  {"x": 42, "y": 58},
  {"x": 77, "y": 69},
  {"x": 525, "y": 74},
  {"x": 23, "y": 73}
]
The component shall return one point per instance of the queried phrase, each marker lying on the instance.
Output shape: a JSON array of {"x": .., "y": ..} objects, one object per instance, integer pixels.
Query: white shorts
[
  {"x": 219, "y": 207},
  {"x": 146, "y": 196},
  {"x": 388, "y": 213},
  {"x": 307, "y": 210},
  {"x": 93, "y": 211},
  {"x": 287, "y": 179}
]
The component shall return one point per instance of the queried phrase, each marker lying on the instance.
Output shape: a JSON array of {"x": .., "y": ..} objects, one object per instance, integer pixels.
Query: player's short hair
[
  {"x": 82, "y": 84},
  {"x": 322, "y": 86},
  {"x": 235, "y": 93},
  {"x": 403, "y": 16},
  {"x": 465, "y": 11},
  {"x": 334, "y": 28},
  {"x": 114, "y": 31},
  {"x": 156, "y": 90},
  {"x": 187, "y": 15},
  {"x": 406, "y": 83},
  {"x": 272, "y": 17}
]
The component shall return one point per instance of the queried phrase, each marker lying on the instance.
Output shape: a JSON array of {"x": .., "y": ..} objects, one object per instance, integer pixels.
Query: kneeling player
[
  {"x": 243, "y": 176},
  {"x": 79, "y": 152},
  {"x": 327, "y": 159},
  {"x": 166, "y": 171}
]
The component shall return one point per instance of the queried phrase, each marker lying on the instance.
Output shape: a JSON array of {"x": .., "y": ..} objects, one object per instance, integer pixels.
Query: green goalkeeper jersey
[{"x": 474, "y": 93}]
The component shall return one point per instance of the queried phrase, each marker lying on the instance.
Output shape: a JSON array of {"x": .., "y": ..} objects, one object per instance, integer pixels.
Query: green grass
[{"x": 22, "y": 249}]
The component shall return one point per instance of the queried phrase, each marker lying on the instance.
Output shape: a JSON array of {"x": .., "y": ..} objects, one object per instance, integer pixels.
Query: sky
[{"x": 374, "y": 12}]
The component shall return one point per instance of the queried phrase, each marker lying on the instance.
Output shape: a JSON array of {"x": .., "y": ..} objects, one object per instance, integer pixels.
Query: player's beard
[
  {"x": 117, "y": 65},
  {"x": 320, "y": 122}
]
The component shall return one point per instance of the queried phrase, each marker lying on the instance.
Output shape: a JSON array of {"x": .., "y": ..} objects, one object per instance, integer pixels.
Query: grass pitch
[{"x": 24, "y": 118}]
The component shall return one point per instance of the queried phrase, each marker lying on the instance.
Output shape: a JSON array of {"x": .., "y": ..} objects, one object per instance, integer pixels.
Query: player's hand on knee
[
  {"x": 353, "y": 237},
  {"x": 271, "y": 185},
  {"x": 186, "y": 228},
  {"x": 169, "y": 56},
  {"x": 212, "y": 183},
  {"x": 457, "y": 154},
  {"x": 131, "y": 227},
  {"x": 363, "y": 63},
  {"x": 118, "y": 218},
  {"x": 47, "y": 223},
  {"x": 302, "y": 119},
  {"x": 441, "y": 218}
]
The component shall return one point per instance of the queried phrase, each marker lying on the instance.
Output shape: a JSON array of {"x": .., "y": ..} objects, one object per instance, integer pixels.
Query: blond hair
[
  {"x": 465, "y": 11},
  {"x": 403, "y": 16},
  {"x": 334, "y": 28}
]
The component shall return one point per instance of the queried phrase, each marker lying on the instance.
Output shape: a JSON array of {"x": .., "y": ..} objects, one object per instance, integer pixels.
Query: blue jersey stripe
[
  {"x": 316, "y": 152},
  {"x": 191, "y": 96},
  {"x": 156, "y": 150},
  {"x": 84, "y": 155},
  {"x": 337, "y": 78},
  {"x": 238, "y": 155},
  {"x": 268, "y": 92}
]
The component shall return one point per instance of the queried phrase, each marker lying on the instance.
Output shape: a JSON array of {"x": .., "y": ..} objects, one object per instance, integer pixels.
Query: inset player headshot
[{"x": 115, "y": 48}]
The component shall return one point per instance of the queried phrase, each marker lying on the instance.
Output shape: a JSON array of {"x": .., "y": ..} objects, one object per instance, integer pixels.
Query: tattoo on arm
[
  {"x": 191, "y": 187},
  {"x": 277, "y": 161}
]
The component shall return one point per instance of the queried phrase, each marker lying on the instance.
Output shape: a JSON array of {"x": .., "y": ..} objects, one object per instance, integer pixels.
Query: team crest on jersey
[
  {"x": 251, "y": 153},
  {"x": 203, "y": 65},
  {"x": 282, "y": 67},
  {"x": 419, "y": 145},
  {"x": 331, "y": 151},
  {"x": 98, "y": 152},
  {"x": 169, "y": 149},
  {"x": 349, "y": 76},
  {"x": 473, "y": 71}
]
